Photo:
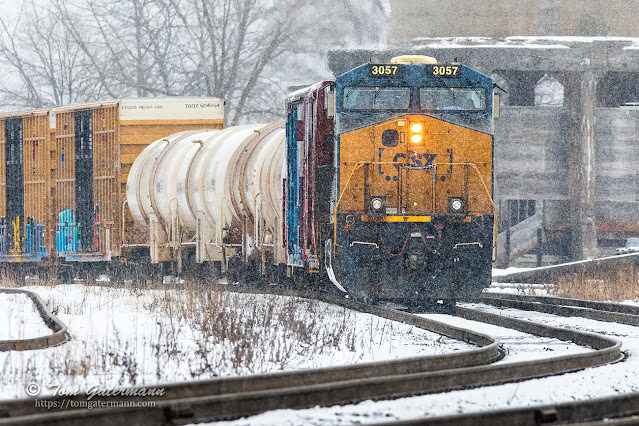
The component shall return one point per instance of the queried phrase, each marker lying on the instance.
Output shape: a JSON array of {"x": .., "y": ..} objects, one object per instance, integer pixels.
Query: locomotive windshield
[
  {"x": 376, "y": 98},
  {"x": 452, "y": 99}
]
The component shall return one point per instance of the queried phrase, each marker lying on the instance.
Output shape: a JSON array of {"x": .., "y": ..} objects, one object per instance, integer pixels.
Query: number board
[
  {"x": 384, "y": 71},
  {"x": 445, "y": 71}
]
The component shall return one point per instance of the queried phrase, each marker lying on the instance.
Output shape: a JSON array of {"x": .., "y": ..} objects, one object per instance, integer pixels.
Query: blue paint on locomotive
[{"x": 414, "y": 77}]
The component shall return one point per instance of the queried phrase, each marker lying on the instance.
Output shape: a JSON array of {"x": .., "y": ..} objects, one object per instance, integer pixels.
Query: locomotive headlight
[
  {"x": 377, "y": 204},
  {"x": 416, "y": 130},
  {"x": 456, "y": 205}
]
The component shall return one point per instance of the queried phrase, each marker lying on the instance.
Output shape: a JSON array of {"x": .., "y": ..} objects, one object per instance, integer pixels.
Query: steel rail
[
  {"x": 249, "y": 401},
  {"x": 620, "y": 409},
  {"x": 615, "y": 410},
  {"x": 59, "y": 335},
  {"x": 600, "y": 311},
  {"x": 488, "y": 351}
]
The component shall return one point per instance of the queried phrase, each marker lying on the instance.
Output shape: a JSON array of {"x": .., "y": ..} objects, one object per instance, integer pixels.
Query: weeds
[
  {"x": 135, "y": 336},
  {"x": 603, "y": 285}
]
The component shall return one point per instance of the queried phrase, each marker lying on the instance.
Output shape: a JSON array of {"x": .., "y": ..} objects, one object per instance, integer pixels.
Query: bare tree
[
  {"x": 246, "y": 51},
  {"x": 48, "y": 68},
  {"x": 133, "y": 44}
]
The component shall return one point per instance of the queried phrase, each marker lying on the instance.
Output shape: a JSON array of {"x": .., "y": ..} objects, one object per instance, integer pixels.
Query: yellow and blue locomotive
[{"x": 389, "y": 181}]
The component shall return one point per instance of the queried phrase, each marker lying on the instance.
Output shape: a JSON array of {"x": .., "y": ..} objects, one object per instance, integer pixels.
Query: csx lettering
[
  {"x": 416, "y": 160},
  {"x": 446, "y": 70}
]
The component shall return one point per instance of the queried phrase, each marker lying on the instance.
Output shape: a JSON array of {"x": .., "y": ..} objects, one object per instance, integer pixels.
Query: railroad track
[
  {"x": 230, "y": 398},
  {"x": 59, "y": 333},
  {"x": 600, "y": 311},
  {"x": 621, "y": 409}
]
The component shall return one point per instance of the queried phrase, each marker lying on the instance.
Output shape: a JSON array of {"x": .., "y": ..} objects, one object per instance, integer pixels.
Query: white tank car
[{"x": 222, "y": 190}]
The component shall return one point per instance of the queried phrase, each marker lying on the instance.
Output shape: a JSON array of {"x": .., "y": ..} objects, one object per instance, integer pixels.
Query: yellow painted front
[{"x": 416, "y": 189}]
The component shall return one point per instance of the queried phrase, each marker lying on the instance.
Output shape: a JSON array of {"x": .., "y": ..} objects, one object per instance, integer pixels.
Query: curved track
[
  {"x": 622, "y": 409},
  {"x": 244, "y": 396},
  {"x": 58, "y": 336},
  {"x": 600, "y": 311}
]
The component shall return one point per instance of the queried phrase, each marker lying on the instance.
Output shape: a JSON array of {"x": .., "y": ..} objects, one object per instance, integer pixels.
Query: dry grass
[
  {"x": 604, "y": 285},
  {"x": 230, "y": 333}
]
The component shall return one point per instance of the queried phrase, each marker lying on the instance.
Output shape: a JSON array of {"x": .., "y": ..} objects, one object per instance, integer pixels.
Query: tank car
[
  {"x": 379, "y": 183},
  {"x": 212, "y": 197}
]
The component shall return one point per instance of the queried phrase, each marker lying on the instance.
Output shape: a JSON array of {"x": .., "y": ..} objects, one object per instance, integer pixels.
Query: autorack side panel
[
  {"x": 86, "y": 181},
  {"x": 24, "y": 180},
  {"x": 65, "y": 196},
  {"x": 106, "y": 206},
  {"x": 15, "y": 184},
  {"x": 38, "y": 203}
]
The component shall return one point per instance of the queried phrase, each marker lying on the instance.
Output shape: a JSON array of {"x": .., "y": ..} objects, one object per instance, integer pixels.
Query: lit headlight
[
  {"x": 456, "y": 205},
  {"x": 416, "y": 133},
  {"x": 376, "y": 204}
]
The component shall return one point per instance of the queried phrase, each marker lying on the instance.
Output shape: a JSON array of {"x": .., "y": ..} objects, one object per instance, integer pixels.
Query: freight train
[{"x": 378, "y": 184}]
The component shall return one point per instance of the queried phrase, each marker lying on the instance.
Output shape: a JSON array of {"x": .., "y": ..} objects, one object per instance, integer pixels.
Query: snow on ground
[
  {"x": 123, "y": 337},
  {"x": 518, "y": 346},
  {"x": 508, "y": 271},
  {"x": 118, "y": 341},
  {"x": 20, "y": 318}
]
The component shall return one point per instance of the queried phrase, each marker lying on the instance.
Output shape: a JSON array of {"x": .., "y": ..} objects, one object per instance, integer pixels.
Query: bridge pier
[{"x": 580, "y": 99}]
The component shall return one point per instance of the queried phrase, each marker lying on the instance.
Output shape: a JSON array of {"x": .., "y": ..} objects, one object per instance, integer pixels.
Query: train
[{"x": 377, "y": 185}]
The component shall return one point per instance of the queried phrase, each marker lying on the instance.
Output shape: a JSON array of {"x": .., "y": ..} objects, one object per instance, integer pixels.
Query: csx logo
[{"x": 417, "y": 160}]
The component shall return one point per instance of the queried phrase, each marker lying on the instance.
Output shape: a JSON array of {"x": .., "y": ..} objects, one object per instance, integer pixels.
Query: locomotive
[
  {"x": 389, "y": 183},
  {"x": 378, "y": 185}
]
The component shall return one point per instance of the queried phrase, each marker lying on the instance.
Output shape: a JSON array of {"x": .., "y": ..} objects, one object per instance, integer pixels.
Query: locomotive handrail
[
  {"x": 348, "y": 181},
  {"x": 490, "y": 198},
  {"x": 362, "y": 163}
]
